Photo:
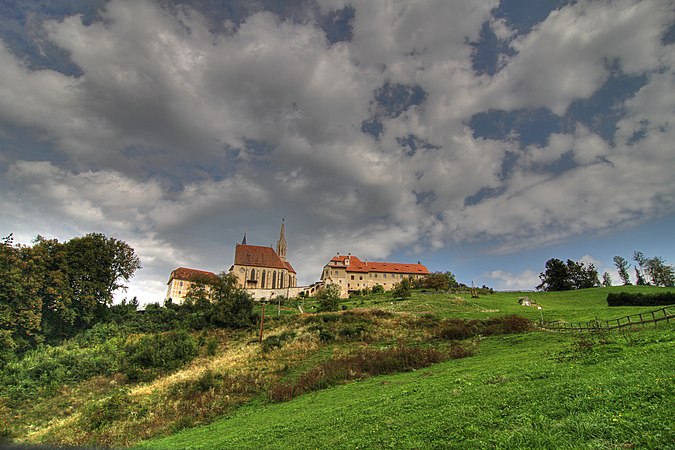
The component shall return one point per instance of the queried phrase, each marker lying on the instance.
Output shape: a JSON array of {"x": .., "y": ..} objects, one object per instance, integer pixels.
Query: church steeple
[
  {"x": 243, "y": 241},
  {"x": 281, "y": 243}
]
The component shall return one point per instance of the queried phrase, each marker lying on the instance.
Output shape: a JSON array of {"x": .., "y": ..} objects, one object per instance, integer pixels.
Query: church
[
  {"x": 258, "y": 267},
  {"x": 263, "y": 272}
]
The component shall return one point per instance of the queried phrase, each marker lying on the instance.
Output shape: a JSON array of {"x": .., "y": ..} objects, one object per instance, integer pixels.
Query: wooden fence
[{"x": 666, "y": 313}]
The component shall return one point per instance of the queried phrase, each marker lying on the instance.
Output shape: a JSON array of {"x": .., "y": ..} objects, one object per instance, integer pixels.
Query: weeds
[{"x": 363, "y": 364}]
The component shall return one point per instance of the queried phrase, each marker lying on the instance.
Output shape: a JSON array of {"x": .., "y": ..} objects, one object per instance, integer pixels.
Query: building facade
[
  {"x": 257, "y": 267},
  {"x": 180, "y": 281},
  {"x": 351, "y": 274}
]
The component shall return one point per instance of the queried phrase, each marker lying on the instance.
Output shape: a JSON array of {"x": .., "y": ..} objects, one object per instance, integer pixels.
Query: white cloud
[
  {"x": 502, "y": 280},
  {"x": 179, "y": 139}
]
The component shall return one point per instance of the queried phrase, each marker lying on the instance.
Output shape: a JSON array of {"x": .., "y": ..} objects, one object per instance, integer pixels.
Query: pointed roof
[
  {"x": 243, "y": 241},
  {"x": 258, "y": 256}
]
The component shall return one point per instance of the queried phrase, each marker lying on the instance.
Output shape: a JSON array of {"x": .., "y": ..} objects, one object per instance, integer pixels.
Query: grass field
[
  {"x": 539, "y": 390},
  {"x": 533, "y": 390}
]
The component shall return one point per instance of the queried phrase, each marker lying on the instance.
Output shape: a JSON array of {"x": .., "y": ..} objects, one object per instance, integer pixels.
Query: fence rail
[{"x": 667, "y": 313}]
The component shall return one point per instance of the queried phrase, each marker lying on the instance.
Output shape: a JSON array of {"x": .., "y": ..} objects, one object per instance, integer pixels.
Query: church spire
[
  {"x": 243, "y": 241},
  {"x": 281, "y": 243}
]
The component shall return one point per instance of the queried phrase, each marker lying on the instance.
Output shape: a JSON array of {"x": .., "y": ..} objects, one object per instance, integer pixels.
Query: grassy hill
[{"x": 537, "y": 389}]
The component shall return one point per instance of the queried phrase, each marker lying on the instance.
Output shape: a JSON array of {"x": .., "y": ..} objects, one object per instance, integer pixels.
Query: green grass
[
  {"x": 539, "y": 390},
  {"x": 532, "y": 390},
  {"x": 567, "y": 306}
]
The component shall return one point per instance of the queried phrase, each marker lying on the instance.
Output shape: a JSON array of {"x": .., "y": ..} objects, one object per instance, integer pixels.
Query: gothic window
[
  {"x": 274, "y": 279},
  {"x": 263, "y": 279},
  {"x": 252, "y": 274}
]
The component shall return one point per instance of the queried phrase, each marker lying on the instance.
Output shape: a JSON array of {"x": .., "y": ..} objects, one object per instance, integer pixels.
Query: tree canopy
[
  {"x": 560, "y": 276},
  {"x": 53, "y": 289}
]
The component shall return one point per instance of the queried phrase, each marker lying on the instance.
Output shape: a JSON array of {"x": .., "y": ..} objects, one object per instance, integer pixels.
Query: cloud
[
  {"x": 177, "y": 134},
  {"x": 507, "y": 281}
]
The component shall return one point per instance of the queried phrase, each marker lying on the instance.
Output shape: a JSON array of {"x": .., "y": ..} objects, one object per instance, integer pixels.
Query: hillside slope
[{"x": 539, "y": 390}]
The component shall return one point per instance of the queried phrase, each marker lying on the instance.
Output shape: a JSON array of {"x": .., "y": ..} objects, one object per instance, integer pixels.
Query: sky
[{"x": 477, "y": 137}]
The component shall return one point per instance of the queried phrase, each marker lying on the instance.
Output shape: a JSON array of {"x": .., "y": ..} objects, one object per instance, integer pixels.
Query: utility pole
[{"x": 262, "y": 321}]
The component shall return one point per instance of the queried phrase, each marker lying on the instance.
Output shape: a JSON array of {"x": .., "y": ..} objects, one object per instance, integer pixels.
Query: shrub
[
  {"x": 639, "y": 299},
  {"x": 508, "y": 325},
  {"x": 359, "y": 365},
  {"x": 276, "y": 341},
  {"x": 152, "y": 354},
  {"x": 100, "y": 414},
  {"x": 378, "y": 289},
  {"x": 458, "y": 329},
  {"x": 329, "y": 298}
]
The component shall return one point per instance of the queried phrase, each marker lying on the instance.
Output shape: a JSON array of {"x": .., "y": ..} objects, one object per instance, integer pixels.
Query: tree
[
  {"x": 232, "y": 307},
  {"x": 20, "y": 303},
  {"x": 582, "y": 277},
  {"x": 561, "y": 276},
  {"x": 640, "y": 258},
  {"x": 555, "y": 277},
  {"x": 606, "y": 279},
  {"x": 622, "y": 266},
  {"x": 402, "y": 289},
  {"x": 640, "y": 280},
  {"x": 97, "y": 267},
  {"x": 660, "y": 273},
  {"x": 438, "y": 281},
  {"x": 329, "y": 298}
]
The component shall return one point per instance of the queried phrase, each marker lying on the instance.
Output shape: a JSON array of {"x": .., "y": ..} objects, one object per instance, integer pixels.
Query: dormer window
[{"x": 346, "y": 261}]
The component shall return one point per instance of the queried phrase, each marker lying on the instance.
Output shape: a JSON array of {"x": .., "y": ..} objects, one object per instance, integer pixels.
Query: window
[
  {"x": 352, "y": 277},
  {"x": 181, "y": 283},
  {"x": 384, "y": 275},
  {"x": 361, "y": 278},
  {"x": 375, "y": 275}
]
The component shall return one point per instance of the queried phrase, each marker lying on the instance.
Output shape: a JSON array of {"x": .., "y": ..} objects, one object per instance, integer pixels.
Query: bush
[
  {"x": 277, "y": 341},
  {"x": 100, "y": 414},
  {"x": 458, "y": 329},
  {"x": 360, "y": 365},
  {"x": 639, "y": 299},
  {"x": 378, "y": 289},
  {"x": 329, "y": 298},
  {"x": 508, "y": 325},
  {"x": 150, "y": 355}
]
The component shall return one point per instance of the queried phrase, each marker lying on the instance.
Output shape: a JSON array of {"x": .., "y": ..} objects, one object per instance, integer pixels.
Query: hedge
[{"x": 638, "y": 299}]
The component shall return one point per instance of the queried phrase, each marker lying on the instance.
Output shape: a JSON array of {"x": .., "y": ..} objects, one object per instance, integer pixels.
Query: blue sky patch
[
  {"x": 527, "y": 126},
  {"x": 523, "y": 15},
  {"x": 487, "y": 50},
  {"x": 601, "y": 112},
  {"x": 394, "y": 99}
]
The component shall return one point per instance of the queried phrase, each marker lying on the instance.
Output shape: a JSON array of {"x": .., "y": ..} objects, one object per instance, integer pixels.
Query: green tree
[
  {"x": 555, "y": 277},
  {"x": 622, "y": 266},
  {"x": 20, "y": 303},
  {"x": 439, "y": 281},
  {"x": 329, "y": 298},
  {"x": 581, "y": 276},
  {"x": 606, "y": 279},
  {"x": 231, "y": 306},
  {"x": 97, "y": 267},
  {"x": 660, "y": 273},
  {"x": 641, "y": 260},
  {"x": 402, "y": 289},
  {"x": 640, "y": 280}
]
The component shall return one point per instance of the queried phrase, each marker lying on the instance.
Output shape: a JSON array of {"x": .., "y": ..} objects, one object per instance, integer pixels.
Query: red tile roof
[
  {"x": 184, "y": 273},
  {"x": 356, "y": 265},
  {"x": 258, "y": 256}
]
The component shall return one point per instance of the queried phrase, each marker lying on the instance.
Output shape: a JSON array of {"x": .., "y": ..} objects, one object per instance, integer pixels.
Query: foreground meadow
[
  {"x": 539, "y": 390},
  {"x": 313, "y": 381}
]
